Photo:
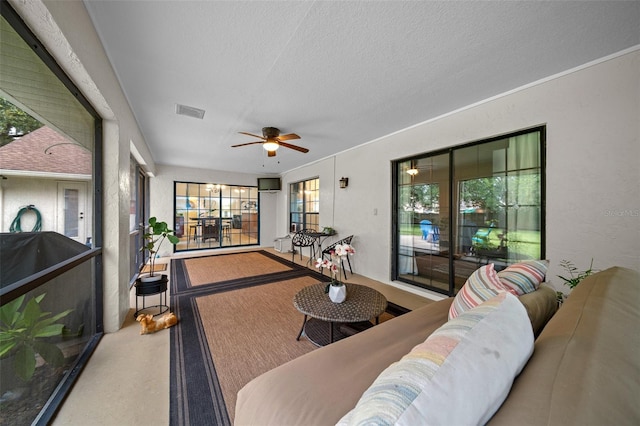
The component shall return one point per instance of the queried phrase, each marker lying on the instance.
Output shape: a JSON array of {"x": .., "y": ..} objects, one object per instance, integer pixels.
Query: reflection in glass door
[
  {"x": 211, "y": 215},
  {"x": 496, "y": 187},
  {"x": 423, "y": 221}
]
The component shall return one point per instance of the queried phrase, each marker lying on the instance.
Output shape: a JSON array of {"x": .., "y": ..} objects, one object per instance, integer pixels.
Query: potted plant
[
  {"x": 574, "y": 277},
  {"x": 336, "y": 288},
  {"x": 328, "y": 230},
  {"x": 156, "y": 233}
]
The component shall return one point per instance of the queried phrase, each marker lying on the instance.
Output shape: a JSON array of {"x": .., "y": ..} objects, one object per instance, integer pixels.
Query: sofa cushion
[
  {"x": 481, "y": 285},
  {"x": 540, "y": 305},
  {"x": 461, "y": 374},
  {"x": 586, "y": 366},
  {"x": 524, "y": 277}
]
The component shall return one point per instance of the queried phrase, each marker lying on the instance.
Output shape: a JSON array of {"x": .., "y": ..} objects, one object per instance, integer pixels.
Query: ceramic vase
[{"x": 337, "y": 293}]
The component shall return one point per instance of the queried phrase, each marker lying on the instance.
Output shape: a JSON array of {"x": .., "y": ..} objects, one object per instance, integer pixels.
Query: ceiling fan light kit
[
  {"x": 271, "y": 141},
  {"x": 271, "y": 146}
]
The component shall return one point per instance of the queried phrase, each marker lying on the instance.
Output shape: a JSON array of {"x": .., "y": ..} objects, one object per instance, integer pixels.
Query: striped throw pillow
[
  {"x": 482, "y": 285},
  {"x": 524, "y": 277}
]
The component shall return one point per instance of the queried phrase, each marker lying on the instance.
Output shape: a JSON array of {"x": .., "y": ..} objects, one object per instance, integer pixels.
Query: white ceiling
[{"x": 338, "y": 73}]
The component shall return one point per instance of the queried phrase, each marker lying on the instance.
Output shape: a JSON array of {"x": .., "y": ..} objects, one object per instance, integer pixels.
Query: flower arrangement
[{"x": 339, "y": 252}]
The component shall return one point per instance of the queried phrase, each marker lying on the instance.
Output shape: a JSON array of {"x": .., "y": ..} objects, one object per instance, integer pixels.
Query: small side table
[
  {"x": 362, "y": 304},
  {"x": 150, "y": 288}
]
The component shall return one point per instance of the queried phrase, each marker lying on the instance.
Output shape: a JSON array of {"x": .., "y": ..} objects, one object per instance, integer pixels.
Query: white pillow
[{"x": 460, "y": 375}]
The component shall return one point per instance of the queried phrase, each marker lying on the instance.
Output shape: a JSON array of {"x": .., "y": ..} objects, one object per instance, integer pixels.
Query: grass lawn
[{"x": 521, "y": 244}]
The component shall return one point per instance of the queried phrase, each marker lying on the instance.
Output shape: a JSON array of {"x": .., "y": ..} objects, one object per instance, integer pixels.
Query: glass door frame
[
  {"x": 450, "y": 234},
  {"x": 215, "y": 215}
]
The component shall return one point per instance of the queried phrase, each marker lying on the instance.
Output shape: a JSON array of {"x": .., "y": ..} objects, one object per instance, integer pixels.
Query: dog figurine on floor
[{"x": 150, "y": 325}]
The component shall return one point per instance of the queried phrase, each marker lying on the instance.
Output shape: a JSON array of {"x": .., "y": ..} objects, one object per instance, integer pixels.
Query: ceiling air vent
[{"x": 189, "y": 111}]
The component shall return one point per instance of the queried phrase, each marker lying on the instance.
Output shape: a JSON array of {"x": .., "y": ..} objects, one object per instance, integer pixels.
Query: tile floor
[{"x": 126, "y": 381}]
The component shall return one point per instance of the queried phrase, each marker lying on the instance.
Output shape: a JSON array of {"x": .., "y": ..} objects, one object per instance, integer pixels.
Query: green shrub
[{"x": 23, "y": 332}]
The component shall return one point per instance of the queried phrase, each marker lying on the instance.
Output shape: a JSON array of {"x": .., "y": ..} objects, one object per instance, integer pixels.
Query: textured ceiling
[{"x": 340, "y": 73}]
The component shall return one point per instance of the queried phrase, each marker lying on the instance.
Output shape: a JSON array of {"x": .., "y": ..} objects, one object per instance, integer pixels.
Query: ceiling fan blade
[
  {"x": 271, "y": 153},
  {"x": 297, "y": 148},
  {"x": 288, "y": 137},
  {"x": 251, "y": 134},
  {"x": 248, "y": 143}
]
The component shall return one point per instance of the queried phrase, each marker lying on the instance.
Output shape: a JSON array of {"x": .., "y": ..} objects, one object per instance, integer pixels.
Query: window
[
  {"x": 461, "y": 208},
  {"x": 50, "y": 157},
  {"x": 212, "y": 215},
  {"x": 304, "y": 207},
  {"x": 138, "y": 208}
]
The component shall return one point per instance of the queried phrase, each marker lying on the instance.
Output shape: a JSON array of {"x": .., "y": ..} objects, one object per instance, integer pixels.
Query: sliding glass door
[
  {"x": 464, "y": 207},
  {"x": 423, "y": 215}
]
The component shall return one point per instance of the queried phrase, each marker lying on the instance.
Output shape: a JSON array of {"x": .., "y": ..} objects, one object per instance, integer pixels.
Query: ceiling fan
[{"x": 272, "y": 140}]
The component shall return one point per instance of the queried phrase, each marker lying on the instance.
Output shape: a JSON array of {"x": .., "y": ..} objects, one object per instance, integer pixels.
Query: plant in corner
[
  {"x": 155, "y": 234},
  {"x": 22, "y": 333},
  {"x": 575, "y": 276},
  {"x": 336, "y": 289}
]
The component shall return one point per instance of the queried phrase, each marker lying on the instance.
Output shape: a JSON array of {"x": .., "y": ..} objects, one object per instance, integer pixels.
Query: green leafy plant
[
  {"x": 22, "y": 333},
  {"x": 575, "y": 276},
  {"x": 328, "y": 230},
  {"x": 156, "y": 233}
]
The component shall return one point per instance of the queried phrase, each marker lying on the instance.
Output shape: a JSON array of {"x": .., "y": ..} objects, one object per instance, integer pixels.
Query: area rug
[
  {"x": 226, "y": 267},
  {"x": 230, "y": 332}
]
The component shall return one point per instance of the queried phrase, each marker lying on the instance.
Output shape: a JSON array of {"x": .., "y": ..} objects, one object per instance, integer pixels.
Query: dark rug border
[
  {"x": 189, "y": 333},
  {"x": 182, "y": 285}
]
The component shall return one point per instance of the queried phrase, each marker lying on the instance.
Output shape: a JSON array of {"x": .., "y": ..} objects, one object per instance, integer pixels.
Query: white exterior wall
[
  {"x": 593, "y": 167},
  {"x": 17, "y": 192}
]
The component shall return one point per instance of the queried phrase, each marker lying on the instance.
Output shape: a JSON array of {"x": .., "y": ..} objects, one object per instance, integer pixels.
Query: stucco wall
[
  {"x": 593, "y": 174},
  {"x": 17, "y": 192}
]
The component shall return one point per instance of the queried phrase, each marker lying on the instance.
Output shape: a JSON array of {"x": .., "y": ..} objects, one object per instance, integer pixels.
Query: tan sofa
[{"x": 584, "y": 369}]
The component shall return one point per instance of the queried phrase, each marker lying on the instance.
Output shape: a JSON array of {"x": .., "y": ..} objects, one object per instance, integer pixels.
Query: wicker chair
[{"x": 327, "y": 252}]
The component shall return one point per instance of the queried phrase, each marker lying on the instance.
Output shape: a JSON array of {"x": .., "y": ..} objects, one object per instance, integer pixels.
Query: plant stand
[{"x": 150, "y": 288}]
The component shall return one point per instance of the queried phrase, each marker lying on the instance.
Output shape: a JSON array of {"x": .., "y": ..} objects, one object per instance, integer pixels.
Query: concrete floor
[{"x": 126, "y": 381}]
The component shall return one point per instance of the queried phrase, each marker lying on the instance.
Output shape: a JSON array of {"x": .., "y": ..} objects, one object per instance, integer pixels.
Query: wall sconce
[{"x": 344, "y": 182}]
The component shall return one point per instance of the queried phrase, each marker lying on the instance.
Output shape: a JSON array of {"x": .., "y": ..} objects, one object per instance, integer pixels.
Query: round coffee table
[{"x": 362, "y": 304}]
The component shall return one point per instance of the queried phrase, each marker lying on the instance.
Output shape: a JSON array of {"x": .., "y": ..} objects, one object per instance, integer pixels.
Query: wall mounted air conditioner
[{"x": 282, "y": 244}]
